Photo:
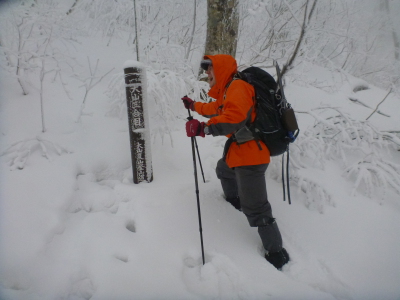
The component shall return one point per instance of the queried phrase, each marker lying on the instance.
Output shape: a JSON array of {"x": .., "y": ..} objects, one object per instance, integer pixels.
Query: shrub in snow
[
  {"x": 335, "y": 135},
  {"x": 316, "y": 196},
  {"x": 88, "y": 82},
  {"x": 39, "y": 44},
  {"x": 363, "y": 151},
  {"x": 374, "y": 171},
  {"x": 19, "y": 152}
]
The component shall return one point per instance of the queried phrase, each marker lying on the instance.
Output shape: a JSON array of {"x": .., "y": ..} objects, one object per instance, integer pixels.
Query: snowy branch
[
  {"x": 339, "y": 136},
  {"x": 19, "y": 152},
  {"x": 89, "y": 82},
  {"x": 376, "y": 109}
]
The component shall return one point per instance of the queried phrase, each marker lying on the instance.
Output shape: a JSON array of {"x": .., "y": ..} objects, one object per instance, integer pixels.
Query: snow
[
  {"x": 133, "y": 64},
  {"x": 74, "y": 226}
]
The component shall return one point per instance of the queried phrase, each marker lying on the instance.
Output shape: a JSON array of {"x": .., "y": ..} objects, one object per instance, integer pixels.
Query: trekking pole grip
[{"x": 197, "y": 148}]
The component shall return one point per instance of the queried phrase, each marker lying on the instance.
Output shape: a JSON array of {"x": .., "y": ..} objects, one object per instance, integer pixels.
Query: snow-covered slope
[{"x": 74, "y": 226}]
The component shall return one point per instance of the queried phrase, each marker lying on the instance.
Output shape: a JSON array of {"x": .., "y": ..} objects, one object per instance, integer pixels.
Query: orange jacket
[{"x": 233, "y": 108}]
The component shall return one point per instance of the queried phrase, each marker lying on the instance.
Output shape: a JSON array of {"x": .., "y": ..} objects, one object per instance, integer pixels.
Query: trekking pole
[
  {"x": 197, "y": 192},
  {"x": 197, "y": 149}
]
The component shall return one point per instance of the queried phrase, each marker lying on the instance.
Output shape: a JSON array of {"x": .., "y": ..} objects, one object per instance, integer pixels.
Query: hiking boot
[
  {"x": 235, "y": 202},
  {"x": 278, "y": 259}
]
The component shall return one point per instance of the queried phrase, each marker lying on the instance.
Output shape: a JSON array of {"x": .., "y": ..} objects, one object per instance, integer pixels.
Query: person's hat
[{"x": 205, "y": 63}]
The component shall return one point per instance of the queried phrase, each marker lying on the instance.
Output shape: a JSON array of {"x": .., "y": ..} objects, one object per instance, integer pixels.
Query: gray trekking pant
[{"x": 248, "y": 182}]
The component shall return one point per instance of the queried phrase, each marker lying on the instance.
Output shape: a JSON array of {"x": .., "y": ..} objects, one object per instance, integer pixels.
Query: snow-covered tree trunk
[
  {"x": 193, "y": 30},
  {"x": 396, "y": 40},
  {"x": 222, "y": 27}
]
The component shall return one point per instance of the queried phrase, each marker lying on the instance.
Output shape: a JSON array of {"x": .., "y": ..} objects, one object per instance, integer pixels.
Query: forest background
[{"x": 73, "y": 225}]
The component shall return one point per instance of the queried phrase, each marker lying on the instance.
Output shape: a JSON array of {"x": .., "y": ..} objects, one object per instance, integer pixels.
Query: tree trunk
[
  {"x": 193, "y": 30},
  {"x": 222, "y": 27},
  {"x": 396, "y": 41}
]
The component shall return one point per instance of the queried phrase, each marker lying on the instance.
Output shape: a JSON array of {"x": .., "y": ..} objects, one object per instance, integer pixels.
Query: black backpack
[{"x": 275, "y": 123}]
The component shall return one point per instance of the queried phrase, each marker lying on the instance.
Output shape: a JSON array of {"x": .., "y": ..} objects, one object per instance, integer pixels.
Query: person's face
[{"x": 211, "y": 76}]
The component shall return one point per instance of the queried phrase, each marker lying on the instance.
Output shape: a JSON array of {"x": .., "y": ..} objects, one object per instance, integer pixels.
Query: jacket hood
[{"x": 224, "y": 68}]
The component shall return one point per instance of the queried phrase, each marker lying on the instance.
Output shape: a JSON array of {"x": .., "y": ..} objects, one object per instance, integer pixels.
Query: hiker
[{"x": 245, "y": 160}]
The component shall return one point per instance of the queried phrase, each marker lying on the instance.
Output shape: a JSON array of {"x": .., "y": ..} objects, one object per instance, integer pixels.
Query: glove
[
  {"x": 195, "y": 128},
  {"x": 189, "y": 103}
]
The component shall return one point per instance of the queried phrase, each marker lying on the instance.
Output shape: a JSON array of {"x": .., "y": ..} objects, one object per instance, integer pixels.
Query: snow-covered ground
[{"x": 74, "y": 226}]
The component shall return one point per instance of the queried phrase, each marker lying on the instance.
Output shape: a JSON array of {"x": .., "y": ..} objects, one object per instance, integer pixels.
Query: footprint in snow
[
  {"x": 319, "y": 275},
  {"x": 218, "y": 278},
  {"x": 131, "y": 226},
  {"x": 122, "y": 257},
  {"x": 93, "y": 196},
  {"x": 82, "y": 289}
]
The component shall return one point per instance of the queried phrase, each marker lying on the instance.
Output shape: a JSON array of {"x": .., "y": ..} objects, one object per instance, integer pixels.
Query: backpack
[{"x": 275, "y": 123}]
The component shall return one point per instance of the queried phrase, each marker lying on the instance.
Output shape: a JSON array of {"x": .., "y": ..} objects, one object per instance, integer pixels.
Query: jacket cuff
[{"x": 207, "y": 130}]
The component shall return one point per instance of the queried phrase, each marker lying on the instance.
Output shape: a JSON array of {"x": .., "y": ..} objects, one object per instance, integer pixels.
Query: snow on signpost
[{"x": 139, "y": 132}]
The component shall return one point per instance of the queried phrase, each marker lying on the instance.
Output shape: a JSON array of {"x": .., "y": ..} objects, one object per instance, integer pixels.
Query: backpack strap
[
  {"x": 229, "y": 83},
  {"x": 287, "y": 175},
  {"x": 226, "y": 147},
  {"x": 239, "y": 76}
]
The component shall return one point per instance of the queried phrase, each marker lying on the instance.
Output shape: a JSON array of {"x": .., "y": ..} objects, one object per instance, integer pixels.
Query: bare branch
[
  {"x": 380, "y": 104},
  {"x": 300, "y": 40}
]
